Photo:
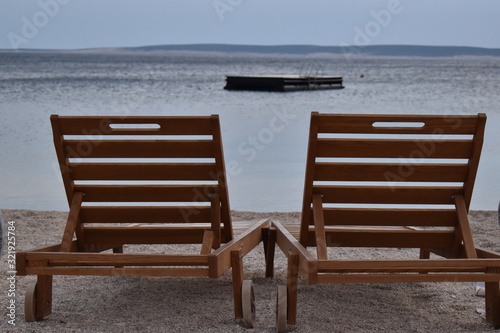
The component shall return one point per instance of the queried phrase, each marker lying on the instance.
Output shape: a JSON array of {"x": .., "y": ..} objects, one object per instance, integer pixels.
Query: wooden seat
[
  {"x": 140, "y": 180},
  {"x": 390, "y": 181}
]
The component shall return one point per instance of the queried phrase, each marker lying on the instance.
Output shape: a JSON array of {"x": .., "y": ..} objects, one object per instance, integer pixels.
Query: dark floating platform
[{"x": 283, "y": 83}]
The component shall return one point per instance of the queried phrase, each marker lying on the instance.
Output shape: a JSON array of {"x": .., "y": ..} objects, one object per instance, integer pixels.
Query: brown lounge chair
[
  {"x": 345, "y": 154},
  {"x": 117, "y": 200}
]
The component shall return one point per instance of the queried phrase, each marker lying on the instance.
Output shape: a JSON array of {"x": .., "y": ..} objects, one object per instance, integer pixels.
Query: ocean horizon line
[{"x": 400, "y": 50}]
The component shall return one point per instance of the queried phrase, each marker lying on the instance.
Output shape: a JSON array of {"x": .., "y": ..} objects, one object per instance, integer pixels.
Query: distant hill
[
  {"x": 370, "y": 50},
  {"x": 375, "y": 50}
]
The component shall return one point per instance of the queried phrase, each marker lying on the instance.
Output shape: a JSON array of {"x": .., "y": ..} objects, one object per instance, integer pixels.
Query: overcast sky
[{"x": 73, "y": 24}]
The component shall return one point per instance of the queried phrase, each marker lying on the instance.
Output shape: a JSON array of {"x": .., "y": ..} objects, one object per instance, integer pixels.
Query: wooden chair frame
[
  {"x": 444, "y": 232},
  {"x": 81, "y": 143}
]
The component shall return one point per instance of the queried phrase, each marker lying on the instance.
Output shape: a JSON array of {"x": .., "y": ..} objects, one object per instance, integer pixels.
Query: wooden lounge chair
[
  {"x": 388, "y": 181},
  {"x": 142, "y": 180}
]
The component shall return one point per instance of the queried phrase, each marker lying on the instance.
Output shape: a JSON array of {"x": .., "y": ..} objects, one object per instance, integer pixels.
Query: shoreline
[{"x": 157, "y": 304}]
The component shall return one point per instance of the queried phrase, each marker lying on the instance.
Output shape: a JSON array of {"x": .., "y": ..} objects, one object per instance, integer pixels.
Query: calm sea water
[{"x": 263, "y": 176}]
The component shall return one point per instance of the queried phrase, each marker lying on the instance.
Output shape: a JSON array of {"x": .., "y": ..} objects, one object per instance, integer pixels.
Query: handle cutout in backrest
[
  {"x": 394, "y": 124},
  {"x": 141, "y": 127}
]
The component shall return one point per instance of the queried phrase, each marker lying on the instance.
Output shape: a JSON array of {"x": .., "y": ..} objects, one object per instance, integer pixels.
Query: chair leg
[
  {"x": 118, "y": 249},
  {"x": 269, "y": 240},
  {"x": 493, "y": 303},
  {"x": 424, "y": 254},
  {"x": 237, "y": 267},
  {"x": 292, "y": 281},
  {"x": 43, "y": 296}
]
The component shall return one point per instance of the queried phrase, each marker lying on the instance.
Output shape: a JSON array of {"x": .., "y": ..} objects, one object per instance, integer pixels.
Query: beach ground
[{"x": 158, "y": 304}]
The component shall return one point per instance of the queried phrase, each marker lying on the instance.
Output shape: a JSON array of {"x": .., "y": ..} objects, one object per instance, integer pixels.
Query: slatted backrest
[
  {"x": 390, "y": 170},
  {"x": 143, "y": 169}
]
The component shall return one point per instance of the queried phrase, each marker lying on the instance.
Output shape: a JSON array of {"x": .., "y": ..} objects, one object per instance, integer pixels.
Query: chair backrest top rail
[
  {"x": 115, "y": 125},
  {"x": 393, "y": 124}
]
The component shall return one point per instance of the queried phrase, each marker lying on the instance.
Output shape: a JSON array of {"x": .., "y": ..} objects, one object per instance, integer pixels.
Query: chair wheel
[
  {"x": 248, "y": 303},
  {"x": 281, "y": 309},
  {"x": 30, "y": 303}
]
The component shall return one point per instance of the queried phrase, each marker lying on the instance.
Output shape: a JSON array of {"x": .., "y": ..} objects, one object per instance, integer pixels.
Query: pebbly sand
[{"x": 150, "y": 304}]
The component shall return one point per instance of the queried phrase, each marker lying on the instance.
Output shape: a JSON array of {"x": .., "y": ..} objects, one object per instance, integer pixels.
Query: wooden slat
[
  {"x": 71, "y": 125},
  {"x": 72, "y": 224},
  {"x": 402, "y": 278},
  {"x": 390, "y": 217},
  {"x": 144, "y": 235},
  {"x": 387, "y": 194},
  {"x": 215, "y": 219},
  {"x": 474, "y": 159},
  {"x": 325, "y": 171},
  {"x": 105, "y": 271},
  {"x": 147, "y": 193},
  {"x": 147, "y": 214},
  {"x": 138, "y": 149},
  {"x": 143, "y": 171},
  {"x": 208, "y": 240},
  {"x": 413, "y": 149},
  {"x": 362, "y": 123},
  {"x": 319, "y": 227},
  {"x": 416, "y": 265},
  {"x": 464, "y": 227},
  {"x": 225, "y": 210},
  {"x": 63, "y": 162},
  {"x": 112, "y": 259},
  {"x": 56, "y": 247},
  {"x": 401, "y": 238},
  {"x": 309, "y": 176}
]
